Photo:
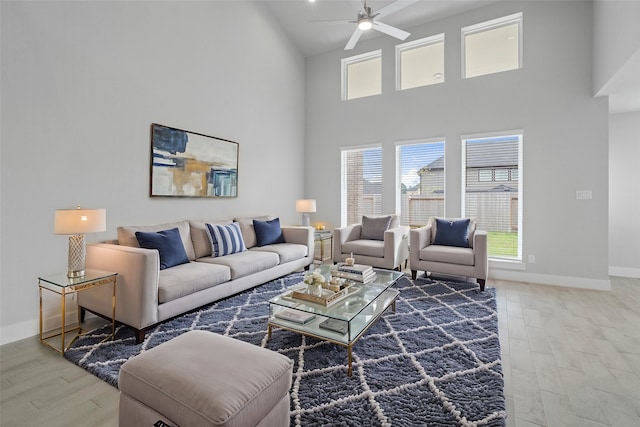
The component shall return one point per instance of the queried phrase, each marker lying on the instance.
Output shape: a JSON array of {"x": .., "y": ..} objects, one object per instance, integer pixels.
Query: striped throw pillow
[{"x": 225, "y": 239}]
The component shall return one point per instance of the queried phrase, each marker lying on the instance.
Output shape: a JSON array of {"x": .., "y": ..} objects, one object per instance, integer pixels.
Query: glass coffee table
[{"x": 343, "y": 322}]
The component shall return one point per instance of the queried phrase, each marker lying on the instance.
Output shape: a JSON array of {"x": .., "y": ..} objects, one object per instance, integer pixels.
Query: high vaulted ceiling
[
  {"x": 311, "y": 38},
  {"x": 297, "y": 16}
]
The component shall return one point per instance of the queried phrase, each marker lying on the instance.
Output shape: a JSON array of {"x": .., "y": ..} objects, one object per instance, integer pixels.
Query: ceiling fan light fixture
[{"x": 365, "y": 23}]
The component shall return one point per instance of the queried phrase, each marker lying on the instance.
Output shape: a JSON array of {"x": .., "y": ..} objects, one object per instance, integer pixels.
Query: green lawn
[{"x": 502, "y": 244}]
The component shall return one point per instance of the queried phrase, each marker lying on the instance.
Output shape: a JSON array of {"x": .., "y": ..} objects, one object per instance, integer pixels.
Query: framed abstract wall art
[{"x": 189, "y": 164}]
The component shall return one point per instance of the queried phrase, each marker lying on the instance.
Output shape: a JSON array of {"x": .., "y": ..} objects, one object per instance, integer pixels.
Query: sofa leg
[
  {"x": 140, "y": 335},
  {"x": 414, "y": 274},
  {"x": 481, "y": 282}
]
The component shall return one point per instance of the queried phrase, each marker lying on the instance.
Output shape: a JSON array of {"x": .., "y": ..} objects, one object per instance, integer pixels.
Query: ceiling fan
[{"x": 368, "y": 20}]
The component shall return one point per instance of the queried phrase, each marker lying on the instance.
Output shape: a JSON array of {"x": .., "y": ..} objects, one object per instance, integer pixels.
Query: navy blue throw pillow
[
  {"x": 452, "y": 233},
  {"x": 268, "y": 232},
  {"x": 169, "y": 246}
]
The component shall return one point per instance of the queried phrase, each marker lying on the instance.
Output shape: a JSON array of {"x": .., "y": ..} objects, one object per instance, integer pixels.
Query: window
[
  {"x": 362, "y": 75},
  {"x": 492, "y": 193},
  {"x": 420, "y": 62},
  {"x": 492, "y": 46},
  {"x": 361, "y": 182},
  {"x": 420, "y": 171}
]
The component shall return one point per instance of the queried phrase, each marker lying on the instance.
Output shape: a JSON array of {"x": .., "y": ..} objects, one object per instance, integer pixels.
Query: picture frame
[{"x": 190, "y": 164}]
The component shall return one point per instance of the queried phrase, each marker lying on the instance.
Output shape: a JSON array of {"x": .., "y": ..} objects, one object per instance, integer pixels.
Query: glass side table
[
  {"x": 62, "y": 285},
  {"x": 323, "y": 236}
]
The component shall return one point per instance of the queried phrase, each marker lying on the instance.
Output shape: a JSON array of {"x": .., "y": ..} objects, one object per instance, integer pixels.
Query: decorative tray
[{"x": 328, "y": 296}]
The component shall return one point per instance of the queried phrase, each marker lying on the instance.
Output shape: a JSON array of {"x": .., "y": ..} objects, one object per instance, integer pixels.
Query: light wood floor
[{"x": 570, "y": 357}]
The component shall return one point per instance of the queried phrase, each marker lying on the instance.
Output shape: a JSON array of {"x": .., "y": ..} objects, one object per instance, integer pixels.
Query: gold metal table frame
[{"x": 62, "y": 285}]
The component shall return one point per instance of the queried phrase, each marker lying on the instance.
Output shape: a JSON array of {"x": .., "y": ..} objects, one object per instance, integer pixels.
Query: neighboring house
[
  {"x": 491, "y": 179},
  {"x": 491, "y": 167}
]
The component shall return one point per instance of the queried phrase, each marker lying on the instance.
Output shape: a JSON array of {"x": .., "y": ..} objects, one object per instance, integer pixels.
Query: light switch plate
[{"x": 583, "y": 195}]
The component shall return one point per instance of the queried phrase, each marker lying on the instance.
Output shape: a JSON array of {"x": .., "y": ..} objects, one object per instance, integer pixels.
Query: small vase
[{"x": 315, "y": 289}]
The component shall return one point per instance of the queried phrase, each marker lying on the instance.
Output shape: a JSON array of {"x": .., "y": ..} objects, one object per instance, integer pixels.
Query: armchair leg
[
  {"x": 481, "y": 282},
  {"x": 414, "y": 274}
]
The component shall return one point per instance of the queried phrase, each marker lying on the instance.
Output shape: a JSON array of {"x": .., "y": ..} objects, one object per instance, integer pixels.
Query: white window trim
[
  {"x": 488, "y": 25},
  {"x": 345, "y": 62},
  {"x": 404, "y": 143},
  {"x": 343, "y": 189},
  {"x": 463, "y": 177},
  {"x": 411, "y": 45}
]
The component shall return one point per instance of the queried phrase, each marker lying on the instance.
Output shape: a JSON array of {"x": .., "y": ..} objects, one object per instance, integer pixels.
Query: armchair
[
  {"x": 436, "y": 255},
  {"x": 379, "y": 241}
]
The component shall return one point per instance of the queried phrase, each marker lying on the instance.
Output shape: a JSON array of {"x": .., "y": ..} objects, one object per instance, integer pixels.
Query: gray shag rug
[{"x": 435, "y": 361}]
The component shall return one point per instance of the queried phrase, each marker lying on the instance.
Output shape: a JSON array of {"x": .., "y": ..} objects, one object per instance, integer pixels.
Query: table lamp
[
  {"x": 305, "y": 206},
  {"x": 77, "y": 222}
]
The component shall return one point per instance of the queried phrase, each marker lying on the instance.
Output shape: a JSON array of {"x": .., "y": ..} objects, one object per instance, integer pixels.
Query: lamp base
[
  {"x": 77, "y": 252},
  {"x": 305, "y": 220}
]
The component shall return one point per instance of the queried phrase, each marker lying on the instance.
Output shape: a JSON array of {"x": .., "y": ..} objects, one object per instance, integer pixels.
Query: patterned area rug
[{"x": 435, "y": 361}]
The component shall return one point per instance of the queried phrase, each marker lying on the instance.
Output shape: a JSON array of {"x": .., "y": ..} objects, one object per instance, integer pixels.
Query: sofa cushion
[
  {"x": 245, "y": 263},
  {"x": 447, "y": 254},
  {"x": 248, "y": 233},
  {"x": 452, "y": 232},
  {"x": 286, "y": 251},
  {"x": 268, "y": 232},
  {"x": 225, "y": 239},
  {"x": 200, "y": 236},
  {"x": 373, "y": 228},
  {"x": 372, "y": 248},
  {"x": 167, "y": 243},
  {"x": 186, "y": 279},
  {"x": 127, "y": 235}
]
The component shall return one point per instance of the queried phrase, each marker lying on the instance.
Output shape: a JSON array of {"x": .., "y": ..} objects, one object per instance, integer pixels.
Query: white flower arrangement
[{"x": 314, "y": 278}]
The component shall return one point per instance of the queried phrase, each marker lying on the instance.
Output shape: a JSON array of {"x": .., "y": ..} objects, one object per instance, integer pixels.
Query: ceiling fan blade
[
  {"x": 394, "y": 7},
  {"x": 392, "y": 31},
  {"x": 354, "y": 39}
]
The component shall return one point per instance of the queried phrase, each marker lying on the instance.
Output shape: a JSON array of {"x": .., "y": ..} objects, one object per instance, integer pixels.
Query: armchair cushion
[
  {"x": 448, "y": 254},
  {"x": 372, "y": 248},
  {"x": 374, "y": 228},
  {"x": 452, "y": 233}
]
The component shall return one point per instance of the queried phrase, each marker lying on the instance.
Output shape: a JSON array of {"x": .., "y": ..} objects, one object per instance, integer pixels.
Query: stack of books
[{"x": 357, "y": 272}]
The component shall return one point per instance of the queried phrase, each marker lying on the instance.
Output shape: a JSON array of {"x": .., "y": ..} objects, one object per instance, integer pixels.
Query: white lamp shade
[
  {"x": 306, "y": 205},
  {"x": 80, "y": 221}
]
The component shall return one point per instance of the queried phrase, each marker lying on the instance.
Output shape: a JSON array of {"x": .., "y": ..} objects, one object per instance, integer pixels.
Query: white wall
[
  {"x": 565, "y": 132},
  {"x": 616, "y": 38},
  {"x": 81, "y": 84},
  {"x": 624, "y": 194}
]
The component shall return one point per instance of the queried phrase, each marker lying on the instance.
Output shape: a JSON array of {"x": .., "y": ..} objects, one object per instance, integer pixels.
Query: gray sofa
[{"x": 147, "y": 295}]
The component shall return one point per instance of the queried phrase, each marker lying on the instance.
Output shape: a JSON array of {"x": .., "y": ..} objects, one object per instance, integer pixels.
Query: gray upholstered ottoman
[{"x": 205, "y": 379}]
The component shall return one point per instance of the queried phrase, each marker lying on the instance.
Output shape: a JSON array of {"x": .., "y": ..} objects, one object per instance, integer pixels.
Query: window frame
[
  {"x": 344, "y": 214},
  {"x": 437, "y": 38},
  {"x": 463, "y": 168},
  {"x": 491, "y": 25},
  {"x": 398, "y": 185},
  {"x": 344, "y": 74}
]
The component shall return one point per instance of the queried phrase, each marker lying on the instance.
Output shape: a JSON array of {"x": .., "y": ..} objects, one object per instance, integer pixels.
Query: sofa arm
[
  {"x": 300, "y": 235},
  {"x": 419, "y": 238},
  {"x": 137, "y": 284},
  {"x": 396, "y": 241},
  {"x": 342, "y": 236},
  {"x": 481, "y": 254}
]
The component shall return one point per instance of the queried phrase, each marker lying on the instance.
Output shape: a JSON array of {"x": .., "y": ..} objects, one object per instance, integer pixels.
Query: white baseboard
[
  {"x": 553, "y": 280},
  {"x": 624, "y": 272},
  {"x": 30, "y": 328},
  {"x": 18, "y": 331}
]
